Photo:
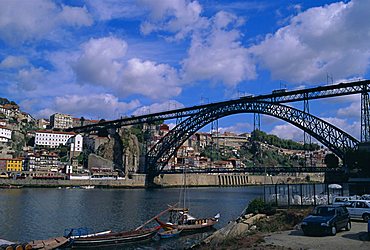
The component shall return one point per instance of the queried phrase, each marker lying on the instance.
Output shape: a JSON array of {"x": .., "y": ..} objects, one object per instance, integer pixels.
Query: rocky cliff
[{"x": 122, "y": 148}]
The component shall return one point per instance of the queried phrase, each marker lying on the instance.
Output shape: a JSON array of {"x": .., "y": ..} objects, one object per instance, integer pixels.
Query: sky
[{"x": 114, "y": 58}]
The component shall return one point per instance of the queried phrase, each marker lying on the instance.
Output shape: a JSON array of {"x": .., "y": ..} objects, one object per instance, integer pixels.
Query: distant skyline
[{"x": 113, "y": 58}]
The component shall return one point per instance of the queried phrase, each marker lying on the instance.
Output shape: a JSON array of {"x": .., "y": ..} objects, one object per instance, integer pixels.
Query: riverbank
[
  {"x": 248, "y": 231},
  {"x": 166, "y": 181}
]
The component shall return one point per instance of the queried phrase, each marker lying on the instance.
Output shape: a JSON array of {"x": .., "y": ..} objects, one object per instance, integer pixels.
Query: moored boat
[
  {"x": 52, "y": 243},
  {"x": 169, "y": 233},
  {"x": 108, "y": 239},
  {"x": 180, "y": 219}
]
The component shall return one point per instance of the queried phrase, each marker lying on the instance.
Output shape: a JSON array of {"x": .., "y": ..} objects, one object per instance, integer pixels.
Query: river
[{"x": 41, "y": 213}]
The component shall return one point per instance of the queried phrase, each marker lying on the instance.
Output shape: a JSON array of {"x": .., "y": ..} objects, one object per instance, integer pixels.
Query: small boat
[
  {"x": 52, "y": 243},
  {"x": 169, "y": 233},
  {"x": 115, "y": 238},
  {"x": 181, "y": 219},
  {"x": 88, "y": 187}
]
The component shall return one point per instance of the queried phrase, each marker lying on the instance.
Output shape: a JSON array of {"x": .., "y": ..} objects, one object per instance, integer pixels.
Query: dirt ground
[{"x": 280, "y": 232}]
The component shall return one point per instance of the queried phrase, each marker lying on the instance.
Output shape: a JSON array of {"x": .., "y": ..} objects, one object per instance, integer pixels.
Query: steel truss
[
  {"x": 281, "y": 97},
  {"x": 338, "y": 141},
  {"x": 365, "y": 115}
]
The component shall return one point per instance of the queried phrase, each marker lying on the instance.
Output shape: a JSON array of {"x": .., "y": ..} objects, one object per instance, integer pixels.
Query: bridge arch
[{"x": 338, "y": 141}]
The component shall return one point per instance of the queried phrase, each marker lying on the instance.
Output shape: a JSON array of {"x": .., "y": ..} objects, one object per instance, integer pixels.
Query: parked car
[
  {"x": 343, "y": 200},
  {"x": 359, "y": 209},
  {"x": 326, "y": 219}
]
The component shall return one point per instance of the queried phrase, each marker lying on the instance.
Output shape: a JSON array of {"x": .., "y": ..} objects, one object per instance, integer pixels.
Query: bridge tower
[
  {"x": 307, "y": 140},
  {"x": 365, "y": 115}
]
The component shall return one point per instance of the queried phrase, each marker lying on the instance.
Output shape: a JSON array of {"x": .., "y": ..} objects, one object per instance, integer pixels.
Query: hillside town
[{"x": 42, "y": 149}]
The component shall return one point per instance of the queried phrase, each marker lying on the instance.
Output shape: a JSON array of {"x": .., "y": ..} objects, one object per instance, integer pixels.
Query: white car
[
  {"x": 343, "y": 200},
  {"x": 359, "y": 209}
]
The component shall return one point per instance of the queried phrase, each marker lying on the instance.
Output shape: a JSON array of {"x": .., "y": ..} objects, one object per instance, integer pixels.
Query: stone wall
[
  {"x": 96, "y": 161},
  {"x": 199, "y": 180}
]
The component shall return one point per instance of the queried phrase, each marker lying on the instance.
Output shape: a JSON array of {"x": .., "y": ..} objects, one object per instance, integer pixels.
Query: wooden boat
[
  {"x": 48, "y": 244},
  {"x": 180, "y": 219},
  {"x": 169, "y": 233},
  {"x": 108, "y": 239}
]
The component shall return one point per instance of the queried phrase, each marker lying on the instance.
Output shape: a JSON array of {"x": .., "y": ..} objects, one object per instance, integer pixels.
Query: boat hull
[
  {"x": 191, "y": 226},
  {"x": 114, "y": 238}
]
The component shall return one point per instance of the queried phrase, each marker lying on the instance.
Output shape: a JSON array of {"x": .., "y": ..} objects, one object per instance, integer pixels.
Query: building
[
  {"x": 9, "y": 109},
  {"x": 52, "y": 139},
  {"x": 11, "y": 165},
  {"x": 42, "y": 161},
  {"x": 43, "y": 123},
  {"x": 61, "y": 121},
  {"x": 75, "y": 143},
  {"x": 5, "y": 134}
]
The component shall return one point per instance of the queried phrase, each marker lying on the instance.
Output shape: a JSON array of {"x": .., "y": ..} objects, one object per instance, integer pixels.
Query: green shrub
[{"x": 259, "y": 206}]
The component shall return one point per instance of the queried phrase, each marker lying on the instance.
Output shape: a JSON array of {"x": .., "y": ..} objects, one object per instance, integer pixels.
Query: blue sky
[{"x": 106, "y": 59}]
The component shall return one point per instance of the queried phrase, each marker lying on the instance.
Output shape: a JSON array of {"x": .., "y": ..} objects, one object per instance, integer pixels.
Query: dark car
[{"x": 326, "y": 219}]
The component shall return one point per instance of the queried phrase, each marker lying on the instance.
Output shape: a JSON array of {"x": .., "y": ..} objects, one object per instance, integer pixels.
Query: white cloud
[
  {"x": 237, "y": 128},
  {"x": 11, "y": 62},
  {"x": 112, "y": 9},
  {"x": 100, "y": 62},
  {"x": 75, "y": 16},
  {"x": 218, "y": 55},
  {"x": 103, "y": 63},
  {"x": 158, "y": 107},
  {"x": 35, "y": 19},
  {"x": 287, "y": 131},
  {"x": 176, "y": 16},
  {"x": 95, "y": 105},
  {"x": 329, "y": 39},
  {"x": 351, "y": 111},
  {"x": 148, "y": 78},
  {"x": 29, "y": 79}
]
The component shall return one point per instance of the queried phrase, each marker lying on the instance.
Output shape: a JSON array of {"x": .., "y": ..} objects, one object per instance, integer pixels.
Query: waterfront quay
[{"x": 164, "y": 180}]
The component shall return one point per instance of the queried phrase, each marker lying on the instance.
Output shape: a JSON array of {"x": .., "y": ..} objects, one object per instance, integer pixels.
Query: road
[{"x": 354, "y": 239}]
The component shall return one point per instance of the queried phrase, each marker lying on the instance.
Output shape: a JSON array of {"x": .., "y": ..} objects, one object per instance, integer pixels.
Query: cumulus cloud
[
  {"x": 13, "y": 62},
  {"x": 34, "y": 19},
  {"x": 103, "y": 63},
  {"x": 218, "y": 55},
  {"x": 238, "y": 128},
  {"x": 100, "y": 62},
  {"x": 351, "y": 111},
  {"x": 29, "y": 79},
  {"x": 158, "y": 107},
  {"x": 91, "y": 106},
  {"x": 328, "y": 39},
  {"x": 287, "y": 131},
  {"x": 112, "y": 9},
  {"x": 176, "y": 16}
]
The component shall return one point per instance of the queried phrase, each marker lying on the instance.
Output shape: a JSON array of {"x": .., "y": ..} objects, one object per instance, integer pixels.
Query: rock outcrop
[
  {"x": 239, "y": 227},
  {"x": 122, "y": 148}
]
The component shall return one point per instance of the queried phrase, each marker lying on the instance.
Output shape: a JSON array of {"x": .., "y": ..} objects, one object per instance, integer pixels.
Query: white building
[
  {"x": 61, "y": 121},
  {"x": 76, "y": 143},
  {"x": 52, "y": 139},
  {"x": 5, "y": 134}
]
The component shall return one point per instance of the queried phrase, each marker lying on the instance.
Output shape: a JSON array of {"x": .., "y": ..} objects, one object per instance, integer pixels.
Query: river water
[{"x": 41, "y": 213}]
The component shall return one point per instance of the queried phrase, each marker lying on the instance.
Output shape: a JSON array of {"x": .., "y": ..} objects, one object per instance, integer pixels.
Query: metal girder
[
  {"x": 281, "y": 97},
  {"x": 365, "y": 115},
  {"x": 338, "y": 141}
]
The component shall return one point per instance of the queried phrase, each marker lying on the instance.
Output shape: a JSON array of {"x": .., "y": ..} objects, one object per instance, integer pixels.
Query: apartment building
[
  {"x": 5, "y": 134},
  {"x": 52, "y": 139},
  {"x": 61, "y": 121}
]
